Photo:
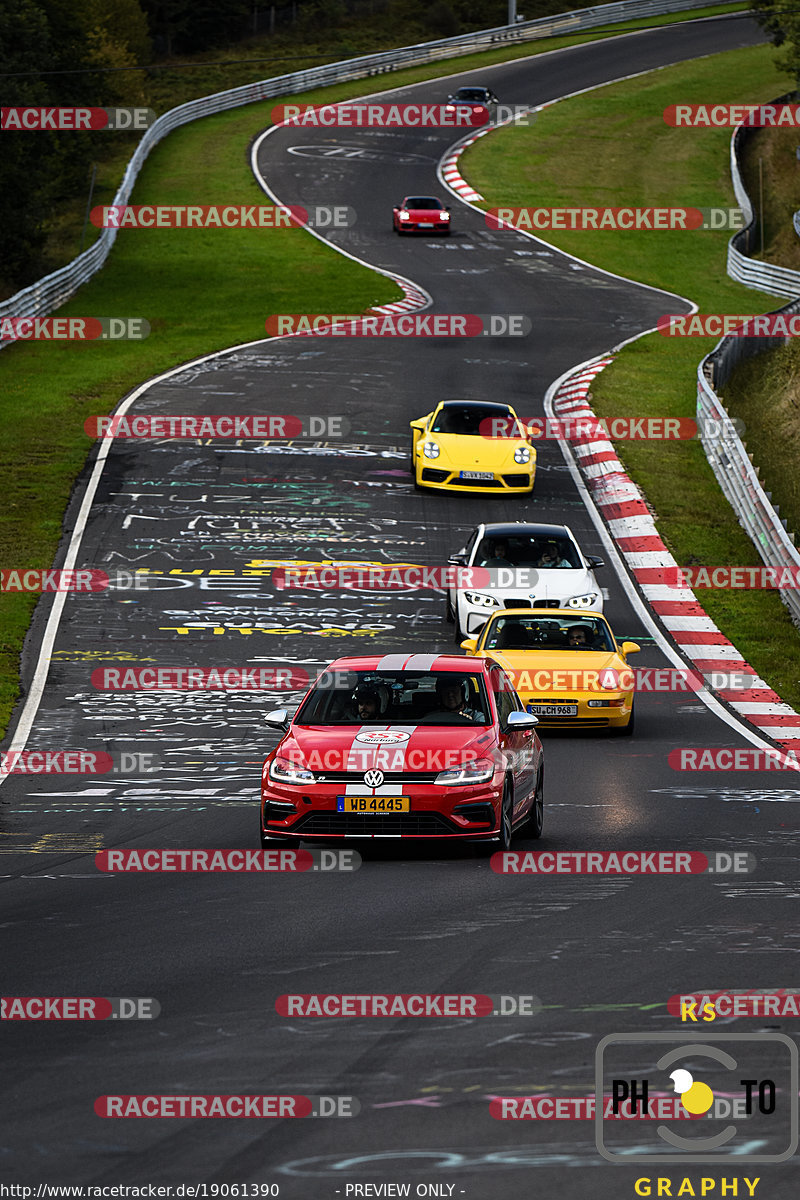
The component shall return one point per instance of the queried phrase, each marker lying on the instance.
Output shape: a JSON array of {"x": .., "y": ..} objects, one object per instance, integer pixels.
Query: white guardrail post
[{"x": 47, "y": 294}]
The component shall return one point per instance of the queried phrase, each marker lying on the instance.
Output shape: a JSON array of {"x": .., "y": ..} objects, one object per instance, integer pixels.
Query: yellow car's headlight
[{"x": 431, "y": 450}]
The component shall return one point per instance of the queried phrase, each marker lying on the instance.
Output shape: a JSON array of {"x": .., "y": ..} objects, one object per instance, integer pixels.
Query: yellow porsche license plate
[{"x": 373, "y": 804}]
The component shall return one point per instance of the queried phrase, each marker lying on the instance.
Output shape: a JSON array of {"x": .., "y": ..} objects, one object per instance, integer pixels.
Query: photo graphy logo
[{"x": 741, "y": 1090}]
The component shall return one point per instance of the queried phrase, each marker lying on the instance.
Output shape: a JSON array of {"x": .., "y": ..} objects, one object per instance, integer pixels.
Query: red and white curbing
[
  {"x": 450, "y": 172},
  {"x": 632, "y": 527},
  {"x": 415, "y": 298}
]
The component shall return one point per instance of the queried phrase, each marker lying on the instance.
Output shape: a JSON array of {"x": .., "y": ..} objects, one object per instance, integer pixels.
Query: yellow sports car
[
  {"x": 568, "y": 669},
  {"x": 472, "y": 446}
]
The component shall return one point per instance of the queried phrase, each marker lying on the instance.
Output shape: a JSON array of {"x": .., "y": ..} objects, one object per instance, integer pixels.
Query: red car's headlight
[
  {"x": 480, "y": 771},
  {"x": 283, "y": 770}
]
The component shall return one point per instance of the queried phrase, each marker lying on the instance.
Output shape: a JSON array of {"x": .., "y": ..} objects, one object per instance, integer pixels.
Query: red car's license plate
[{"x": 373, "y": 804}]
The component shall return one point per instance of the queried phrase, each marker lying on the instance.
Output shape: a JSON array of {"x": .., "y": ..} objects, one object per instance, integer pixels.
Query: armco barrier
[
  {"x": 737, "y": 476},
  {"x": 775, "y": 281},
  {"x": 725, "y": 450},
  {"x": 53, "y": 290}
]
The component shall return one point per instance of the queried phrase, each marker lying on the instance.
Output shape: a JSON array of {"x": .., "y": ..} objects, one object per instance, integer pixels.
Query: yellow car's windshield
[
  {"x": 541, "y": 633},
  {"x": 476, "y": 420}
]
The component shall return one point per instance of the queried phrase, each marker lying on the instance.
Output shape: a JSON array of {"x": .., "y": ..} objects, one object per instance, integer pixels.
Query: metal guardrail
[
  {"x": 55, "y": 289},
  {"x": 764, "y": 277},
  {"x": 739, "y": 481},
  {"x": 724, "y": 449}
]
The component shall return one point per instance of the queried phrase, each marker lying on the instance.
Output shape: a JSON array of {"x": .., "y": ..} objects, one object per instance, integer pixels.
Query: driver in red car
[
  {"x": 451, "y": 694},
  {"x": 367, "y": 703}
]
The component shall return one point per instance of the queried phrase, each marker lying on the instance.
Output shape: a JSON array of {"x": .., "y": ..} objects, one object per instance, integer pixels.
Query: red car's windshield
[
  {"x": 427, "y": 202},
  {"x": 396, "y": 698}
]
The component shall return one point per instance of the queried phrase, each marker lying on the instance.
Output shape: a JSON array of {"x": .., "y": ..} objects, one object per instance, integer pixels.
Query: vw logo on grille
[{"x": 373, "y": 779}]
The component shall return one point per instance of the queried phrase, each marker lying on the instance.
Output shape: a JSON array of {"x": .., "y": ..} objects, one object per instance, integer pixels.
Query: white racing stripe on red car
[
  {"x": 422, "y": 662},
  {"x": 392, "y": 662},
  {"x": 378, "y": 747}
]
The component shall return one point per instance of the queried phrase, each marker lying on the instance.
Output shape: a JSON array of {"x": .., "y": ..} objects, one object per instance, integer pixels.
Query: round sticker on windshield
[{"x": 382, "y": 737}]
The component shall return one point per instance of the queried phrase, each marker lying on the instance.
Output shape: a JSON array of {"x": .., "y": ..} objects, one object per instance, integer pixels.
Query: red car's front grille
[
  {"x": 407, "y": 778},
  {"x": 387, "y": 824}
]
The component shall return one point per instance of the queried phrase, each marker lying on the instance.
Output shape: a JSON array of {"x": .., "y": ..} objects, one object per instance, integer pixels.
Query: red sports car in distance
[
  {"x": 420, "y": 746},
  {"x": 423, "y": 213}
]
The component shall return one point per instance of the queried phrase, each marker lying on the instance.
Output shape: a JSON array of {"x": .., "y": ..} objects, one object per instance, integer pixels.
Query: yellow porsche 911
[
  {"x": 472, "y": 446},
  {"x": 567, "y": 668}
]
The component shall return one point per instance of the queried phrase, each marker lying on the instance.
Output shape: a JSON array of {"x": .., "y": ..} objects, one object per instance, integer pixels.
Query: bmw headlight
[
  {"x": 522, "y": 454},
  {"x": 431, "y": 450},
  {"x": 587, "y": 601},
  {"x": 480, "y": 771},
  {"x": 480, "y": 600},
  {"x": 283, "y": 770}
]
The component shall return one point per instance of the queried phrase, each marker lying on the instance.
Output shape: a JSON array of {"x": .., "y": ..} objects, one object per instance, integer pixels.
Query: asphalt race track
[{"x": 603, "y": 954}]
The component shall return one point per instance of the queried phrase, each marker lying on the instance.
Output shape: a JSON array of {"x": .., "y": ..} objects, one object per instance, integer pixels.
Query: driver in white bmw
[{"x": 497, "y": 556}]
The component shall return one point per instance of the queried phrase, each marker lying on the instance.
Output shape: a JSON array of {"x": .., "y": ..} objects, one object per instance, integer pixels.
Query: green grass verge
[
  {"x": 232, "y": 281},
  {"x": 611, "y": 147}
]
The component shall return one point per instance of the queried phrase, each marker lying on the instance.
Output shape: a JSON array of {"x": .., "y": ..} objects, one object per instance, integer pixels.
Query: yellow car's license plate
[
  {"x": 373, "y": 804},
  {"x": 553, "y": 710}
]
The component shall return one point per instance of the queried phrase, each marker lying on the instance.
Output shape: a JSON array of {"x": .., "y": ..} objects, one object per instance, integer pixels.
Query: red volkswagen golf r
[{"x": 418, "y": 746}]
